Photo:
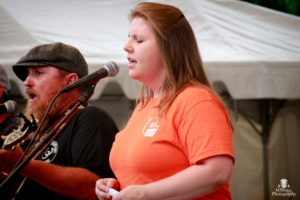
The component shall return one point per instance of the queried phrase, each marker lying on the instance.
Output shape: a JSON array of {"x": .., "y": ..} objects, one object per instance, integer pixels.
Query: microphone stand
[{"x": 41, "y": 146}]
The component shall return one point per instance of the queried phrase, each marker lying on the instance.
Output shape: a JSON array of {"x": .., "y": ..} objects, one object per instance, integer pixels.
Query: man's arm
[{"x": 73, "y": 182}]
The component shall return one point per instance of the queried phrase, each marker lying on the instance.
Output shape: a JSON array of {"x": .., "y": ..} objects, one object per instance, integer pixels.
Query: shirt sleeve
[{"x": 205, "y": 131}]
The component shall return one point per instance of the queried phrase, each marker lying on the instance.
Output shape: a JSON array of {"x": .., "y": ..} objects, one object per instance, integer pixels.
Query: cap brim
[{"x": 21, "y": 71}]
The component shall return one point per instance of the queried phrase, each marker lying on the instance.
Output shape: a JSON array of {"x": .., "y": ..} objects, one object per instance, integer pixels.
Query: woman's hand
[
  {"x": 103, "y": 185},
  {"x": 137, "y": 192}
]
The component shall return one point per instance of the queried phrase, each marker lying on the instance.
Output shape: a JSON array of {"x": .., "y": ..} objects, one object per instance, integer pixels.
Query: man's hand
[{"x": 8, "y": 159}]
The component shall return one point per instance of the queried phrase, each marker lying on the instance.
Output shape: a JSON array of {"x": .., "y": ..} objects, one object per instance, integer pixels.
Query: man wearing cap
[
  {"x": 69, "y": 167},
  {"x": 4, "y": 90}
]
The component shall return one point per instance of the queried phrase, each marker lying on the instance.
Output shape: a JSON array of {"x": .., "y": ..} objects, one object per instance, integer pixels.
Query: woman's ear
[{"x": 71, "y": 78}]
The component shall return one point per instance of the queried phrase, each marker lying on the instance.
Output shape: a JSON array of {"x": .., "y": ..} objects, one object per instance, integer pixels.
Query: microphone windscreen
[
  {"x": 11, "y": 106},
  {"x": 112, "y": 68}
]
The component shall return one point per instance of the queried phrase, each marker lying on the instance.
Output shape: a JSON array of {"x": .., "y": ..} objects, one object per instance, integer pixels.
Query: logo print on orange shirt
[{"x": 151, "y": 127}]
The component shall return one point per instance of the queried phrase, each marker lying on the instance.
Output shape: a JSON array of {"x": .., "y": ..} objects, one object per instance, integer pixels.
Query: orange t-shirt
[{"x": 150, "y": 148}]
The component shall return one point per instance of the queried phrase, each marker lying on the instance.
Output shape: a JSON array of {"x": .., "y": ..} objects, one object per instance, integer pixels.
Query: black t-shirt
[{"x": 84, "y": 142}]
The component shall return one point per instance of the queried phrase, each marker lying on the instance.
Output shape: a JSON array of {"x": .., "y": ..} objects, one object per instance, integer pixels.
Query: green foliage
[{"x": 287, "y": 6}]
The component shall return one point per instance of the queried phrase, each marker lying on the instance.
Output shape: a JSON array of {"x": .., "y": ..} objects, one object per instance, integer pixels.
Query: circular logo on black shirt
[{"x": 51, "y": 151}]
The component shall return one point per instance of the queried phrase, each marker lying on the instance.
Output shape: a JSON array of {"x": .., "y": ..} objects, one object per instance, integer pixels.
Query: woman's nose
[{"x": 128, "y": 47}]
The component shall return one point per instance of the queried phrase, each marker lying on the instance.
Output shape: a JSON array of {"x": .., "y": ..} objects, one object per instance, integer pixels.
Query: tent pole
[
  {"x": 268, "y": 109},
  {"x": 265, "y": 118}
]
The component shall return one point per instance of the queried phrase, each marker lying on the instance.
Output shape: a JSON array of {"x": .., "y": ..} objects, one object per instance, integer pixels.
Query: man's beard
[{"x": 38, "y": 110}]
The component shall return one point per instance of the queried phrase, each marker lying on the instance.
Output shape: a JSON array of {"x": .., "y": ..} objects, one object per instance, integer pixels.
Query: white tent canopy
[{"x": 253, "y": 50}]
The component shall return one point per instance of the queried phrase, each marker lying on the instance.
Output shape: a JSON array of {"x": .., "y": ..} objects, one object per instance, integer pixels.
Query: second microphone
[{"x": 110, "y": 69}]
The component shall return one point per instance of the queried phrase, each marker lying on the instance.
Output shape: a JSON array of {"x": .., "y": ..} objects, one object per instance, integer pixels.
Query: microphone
[
  {"x": 110, "y": 69},
  {"x": 9, "y": 107}
]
